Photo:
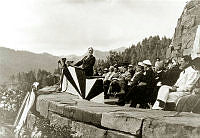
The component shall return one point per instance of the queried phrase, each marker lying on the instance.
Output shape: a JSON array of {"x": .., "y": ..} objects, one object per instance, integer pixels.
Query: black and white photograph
[{"x": 99, "y": 68}]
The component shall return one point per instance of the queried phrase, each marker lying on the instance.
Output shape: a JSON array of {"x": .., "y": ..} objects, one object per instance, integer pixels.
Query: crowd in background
[{"x": 139, "y": 85}]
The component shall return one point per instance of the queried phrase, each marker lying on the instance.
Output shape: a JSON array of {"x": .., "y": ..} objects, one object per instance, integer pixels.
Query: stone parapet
[{"x": 89, "y": 119}]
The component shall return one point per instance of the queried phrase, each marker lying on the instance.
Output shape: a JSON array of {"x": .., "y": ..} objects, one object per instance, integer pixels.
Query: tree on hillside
[
  {"x": 150, "y": 48},
  {"x": 114, "y": 58},
  {"x": 26, "y": 79}
]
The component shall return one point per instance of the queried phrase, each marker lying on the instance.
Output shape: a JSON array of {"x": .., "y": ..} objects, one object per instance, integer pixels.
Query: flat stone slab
[
  {"x": 186, "y": 125},
  {"x": 72, "y": 107},
  {"x": 123, "y": 121},
  {"x": 54, "y": 102},
  {"x": 153, "y": 123},
  {"x": 90, "y": 112},
  {"x": 85, "y": 130}
]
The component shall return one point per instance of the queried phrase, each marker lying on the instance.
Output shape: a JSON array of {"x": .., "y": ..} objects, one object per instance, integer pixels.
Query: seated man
[
  {"x": 114, "y": 86},
  {"x": 107, "y": 81},
  {"x": 182, "y": 87},
  {"x": 105, "y": 71},
  {"x": 121, "y": 82},
  {"x": 171, "y": 75},
  {"x": 144, "y": 90},
  {"x": 167, "y": 77},
  {"x": 159, "y": 73},
  {"x": 135, "y": 80}
]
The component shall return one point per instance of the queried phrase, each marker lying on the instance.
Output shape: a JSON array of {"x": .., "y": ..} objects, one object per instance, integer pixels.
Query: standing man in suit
[
  {"x": 87, "y": 62},
  {"x": 182, "y": 87},
  {"x": 63, "y": 66}
]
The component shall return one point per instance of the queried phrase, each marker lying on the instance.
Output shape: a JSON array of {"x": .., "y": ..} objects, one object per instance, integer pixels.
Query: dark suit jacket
[
  {"x": 137, "y": 79},
  {"x": 87, "y": 65},
  {"x": 171, "y": 76},
  {"x": 149, "y": 78}
]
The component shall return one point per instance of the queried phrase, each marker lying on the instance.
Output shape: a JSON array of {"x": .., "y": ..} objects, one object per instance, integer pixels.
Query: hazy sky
[{"x": 63, "y": 27}]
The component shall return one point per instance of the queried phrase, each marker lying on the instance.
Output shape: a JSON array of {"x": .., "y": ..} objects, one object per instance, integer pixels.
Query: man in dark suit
[
  {"x": 87, "y": 63},
  {"x": 135, "y": 80}
]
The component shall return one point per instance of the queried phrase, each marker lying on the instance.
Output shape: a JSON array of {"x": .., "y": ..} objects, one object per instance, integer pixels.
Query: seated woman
[{"x": 191, "y": 103}]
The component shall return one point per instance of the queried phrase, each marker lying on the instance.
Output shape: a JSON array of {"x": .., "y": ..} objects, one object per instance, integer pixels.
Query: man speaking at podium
[{"x": 87, "y": 63}]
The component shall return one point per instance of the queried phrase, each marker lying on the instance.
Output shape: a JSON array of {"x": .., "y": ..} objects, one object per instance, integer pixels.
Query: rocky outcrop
[{"x": 185, "y": 30}]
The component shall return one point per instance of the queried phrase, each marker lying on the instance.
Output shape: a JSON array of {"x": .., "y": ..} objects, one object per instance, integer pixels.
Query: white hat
[
  {"x": 140, "y": 64},
  {"x": 106, "y": 69},
  {"x": 130, "y": 65},
  {"x": 147, "y": 62}
]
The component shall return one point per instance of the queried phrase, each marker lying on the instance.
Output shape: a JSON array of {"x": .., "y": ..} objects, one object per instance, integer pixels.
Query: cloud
[{"x": 70, "y": 26}]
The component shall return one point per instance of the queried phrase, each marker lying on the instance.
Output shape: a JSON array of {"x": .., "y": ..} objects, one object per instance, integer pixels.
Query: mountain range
[
  {"x": 12, "y": 61},
  {"x": 97, "y": 53}
]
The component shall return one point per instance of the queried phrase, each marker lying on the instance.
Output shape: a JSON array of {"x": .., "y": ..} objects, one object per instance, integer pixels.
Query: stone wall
[
  {"x": 89, "y": 119},
  {"x": 185, "y": 30}
]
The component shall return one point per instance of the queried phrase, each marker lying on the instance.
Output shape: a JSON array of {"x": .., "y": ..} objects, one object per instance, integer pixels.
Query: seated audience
[
  {"x": 107, "y": 81},
  {"x": 149, "y": 75},
  {"x": 95, "y": 73},
  {"x": 100, "y": 72},
  {"x": 116, "y": 73},
  {"x": 140, "y": 93},
  {"x": 171, "y": 74},
  {"x": 131, "y": 70},
  {"x": 159, "y": 71},
  {"x": 159, "y": 76},
  {"x": 114, "y": 86},
  {"x": 182, "y": 87},
  {"x": 157, "y": 61},
  {"x": 124, "y": 78},
  {"x": 105, "y": 71},
  {"x": 120, "y": 84},
  {"x": 135, "y": 80}
]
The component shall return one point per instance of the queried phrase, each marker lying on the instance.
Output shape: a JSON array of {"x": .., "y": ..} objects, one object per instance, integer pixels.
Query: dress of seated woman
[{"x": 190, "y": 103}]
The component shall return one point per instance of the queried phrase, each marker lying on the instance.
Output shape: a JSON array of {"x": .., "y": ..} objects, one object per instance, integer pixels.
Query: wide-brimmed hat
[
  {"x": 106, "y": 69},
  {"x": 147, "y": 62},
  {"x": 140, "y": 64}
]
